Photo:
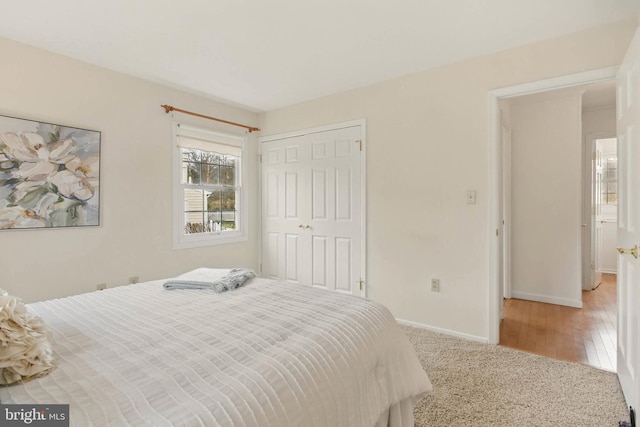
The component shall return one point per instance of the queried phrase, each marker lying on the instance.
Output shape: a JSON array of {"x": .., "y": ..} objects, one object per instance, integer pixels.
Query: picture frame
[{"x": 49, "y": 175}]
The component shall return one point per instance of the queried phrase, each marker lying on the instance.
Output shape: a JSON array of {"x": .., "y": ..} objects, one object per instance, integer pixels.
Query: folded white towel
[{"x": 218, "y": 280}]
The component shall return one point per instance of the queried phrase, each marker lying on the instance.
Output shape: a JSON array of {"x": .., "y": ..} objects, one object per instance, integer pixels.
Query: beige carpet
[{"x": 485, "y": 385}]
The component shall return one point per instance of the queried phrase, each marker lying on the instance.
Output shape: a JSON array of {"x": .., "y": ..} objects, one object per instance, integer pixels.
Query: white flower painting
[{"x": 49, "y": 175}]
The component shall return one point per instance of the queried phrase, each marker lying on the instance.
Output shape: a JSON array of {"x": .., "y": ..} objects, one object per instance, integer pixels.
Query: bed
[{"x": 268, "y": 353}]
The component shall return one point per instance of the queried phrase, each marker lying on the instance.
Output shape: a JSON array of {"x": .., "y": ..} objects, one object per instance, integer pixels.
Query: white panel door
[
  {"x": 312, "y": 219},
  {"x": 629, "y": 223},
  {"x": 284, "y": 201}
]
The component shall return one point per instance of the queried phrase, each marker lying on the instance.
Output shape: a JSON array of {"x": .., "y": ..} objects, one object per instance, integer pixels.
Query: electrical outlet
[
  {"x": 435, "y": 285},
  {"x": 101, "y": 286},
  {"x": 133, "y": 280}
]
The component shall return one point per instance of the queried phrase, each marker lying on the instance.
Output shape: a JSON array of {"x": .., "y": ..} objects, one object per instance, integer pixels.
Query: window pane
[
  {"x": 190, "y": 166},
  {"x": 211, "y": 157},
  {"x": 228, "y": 200},
  {"x": 213, "y": 201},
  {"x": 222, "y": 214},
  {"x": 190, "y": 155},
  {"x": 194, "y": 200},
  {"x": 214, "y": 216},
  {"x": 194, "y": 222},
  {"x": 210, "y": 177},
  {"x": 210, "y": 174},
  {"x": 229, "y": 209},
  {"x": 228, "y": 220},
  {"x": 227, "y": 175},
  {"x": 190, "y": 173}
]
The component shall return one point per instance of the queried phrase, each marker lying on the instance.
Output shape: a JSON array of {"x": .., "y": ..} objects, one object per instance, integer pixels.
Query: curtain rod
[{"x": 169, "y": 108}]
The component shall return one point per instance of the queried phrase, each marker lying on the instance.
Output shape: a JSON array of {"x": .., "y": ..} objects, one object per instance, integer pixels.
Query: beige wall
[
  {"x": 134, "y": 238},
  {"x": 599, "y": 120},
  {"x": 427, "y": 144},
  {"x": 546, "y": 197}
]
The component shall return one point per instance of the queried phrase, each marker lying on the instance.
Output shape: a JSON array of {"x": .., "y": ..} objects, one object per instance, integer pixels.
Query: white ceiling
[{"x": 266, "y": 54}]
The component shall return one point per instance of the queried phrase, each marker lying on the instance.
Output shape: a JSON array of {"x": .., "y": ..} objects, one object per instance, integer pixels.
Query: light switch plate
[{"x": 471, "y": 197}]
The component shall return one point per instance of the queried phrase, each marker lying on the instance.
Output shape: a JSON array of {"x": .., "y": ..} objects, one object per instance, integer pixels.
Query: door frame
[
  {"x": 362, "y": 123},
  {"x": 505, "y": 223},
  {"x": 496, "y": 179}
]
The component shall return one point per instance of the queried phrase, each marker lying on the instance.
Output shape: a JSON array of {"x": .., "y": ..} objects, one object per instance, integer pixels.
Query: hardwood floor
[{"x": 586, "y": 335}]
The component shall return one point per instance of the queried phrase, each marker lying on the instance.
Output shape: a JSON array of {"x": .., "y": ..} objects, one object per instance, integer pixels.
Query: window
[
  {"x": 610, "y": 180},
  {"x": 209, "y": 201}
]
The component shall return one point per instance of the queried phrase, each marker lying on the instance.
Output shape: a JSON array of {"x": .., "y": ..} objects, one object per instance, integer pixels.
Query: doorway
[
  {"x": 497, "y": 290},
  {"x": 604, "y": 208},
  {"x": 557, "y": 136}
]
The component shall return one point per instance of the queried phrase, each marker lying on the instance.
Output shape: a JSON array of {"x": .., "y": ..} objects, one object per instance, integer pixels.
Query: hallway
[{"x": 586, "y": 335}]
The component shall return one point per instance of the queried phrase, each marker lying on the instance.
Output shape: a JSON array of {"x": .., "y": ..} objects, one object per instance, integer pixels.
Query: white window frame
[{"x": 181, "y": 240}]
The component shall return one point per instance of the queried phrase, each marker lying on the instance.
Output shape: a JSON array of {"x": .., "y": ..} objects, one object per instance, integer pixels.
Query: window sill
[{"x": 201, "y": 240}]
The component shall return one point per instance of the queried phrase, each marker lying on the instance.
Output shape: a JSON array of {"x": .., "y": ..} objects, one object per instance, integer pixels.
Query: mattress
[{"x": 266, "y": 354}]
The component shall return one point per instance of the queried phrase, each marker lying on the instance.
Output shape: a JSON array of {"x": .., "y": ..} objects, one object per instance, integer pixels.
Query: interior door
[
  {"x": 629, "y": 223},
  {"x": 312, "y": 213},
  {"x": 596, "y": 217},
  {"x": 284, "y": 209}
]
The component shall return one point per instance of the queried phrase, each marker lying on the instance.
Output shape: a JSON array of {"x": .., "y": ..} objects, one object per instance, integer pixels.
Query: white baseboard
[
  {"x": 442, "y": 331},
  {"x": 604, "y": 270},
  {"x": 546, "y": 298}
]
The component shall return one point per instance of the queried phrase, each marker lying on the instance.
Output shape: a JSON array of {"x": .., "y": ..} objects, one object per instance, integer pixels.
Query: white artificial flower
[{"x": 25, "y": 351}]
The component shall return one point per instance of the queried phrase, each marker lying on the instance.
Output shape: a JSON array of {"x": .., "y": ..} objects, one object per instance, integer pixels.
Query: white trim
[
  {"x": 556, "y": 83},
  {"x": 363, "y": 206},
  {"x": 442, "y": 331},
  {"x": 506, "y": 212},
  {"x": 493, "y": 314},
  {"x": 608, "y": 271},
  {"x": 548, "y": 299}
]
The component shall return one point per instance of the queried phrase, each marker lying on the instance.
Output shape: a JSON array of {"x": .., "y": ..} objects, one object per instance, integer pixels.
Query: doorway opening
[
  {"x": 501, "y": 261},
  {"x": 555, "y": 159}
]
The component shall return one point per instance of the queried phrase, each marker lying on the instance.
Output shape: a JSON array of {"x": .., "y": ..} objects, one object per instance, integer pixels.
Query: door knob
[
  {"x": 307, "y": 226},
  {"x": 300, "y": 226},
  {"x": 633, "y": 251}
]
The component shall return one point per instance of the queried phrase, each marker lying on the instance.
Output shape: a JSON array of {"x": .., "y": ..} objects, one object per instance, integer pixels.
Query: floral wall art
[{"x": 49, "y": 175}]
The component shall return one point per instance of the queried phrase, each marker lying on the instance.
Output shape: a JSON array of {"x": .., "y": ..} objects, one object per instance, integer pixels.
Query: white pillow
[{"x": 25, "y": 351}]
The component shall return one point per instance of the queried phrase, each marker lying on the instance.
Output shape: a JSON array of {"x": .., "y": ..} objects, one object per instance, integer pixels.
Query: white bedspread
[{"x": 265, "y": 354}]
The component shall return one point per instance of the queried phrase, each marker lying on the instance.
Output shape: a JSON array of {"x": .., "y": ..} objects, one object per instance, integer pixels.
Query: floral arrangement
[
  {"x": 48, "y": 177},
  {"x": 25, "y": 351}
]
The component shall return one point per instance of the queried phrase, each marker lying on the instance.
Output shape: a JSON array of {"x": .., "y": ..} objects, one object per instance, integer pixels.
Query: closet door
[
  {"x": 285, "y": 207},
  {"x": 311, "y": 204}
]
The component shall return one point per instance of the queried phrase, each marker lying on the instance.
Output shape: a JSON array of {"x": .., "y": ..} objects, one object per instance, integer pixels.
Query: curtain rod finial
[{"x": 167, "y": 108}]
